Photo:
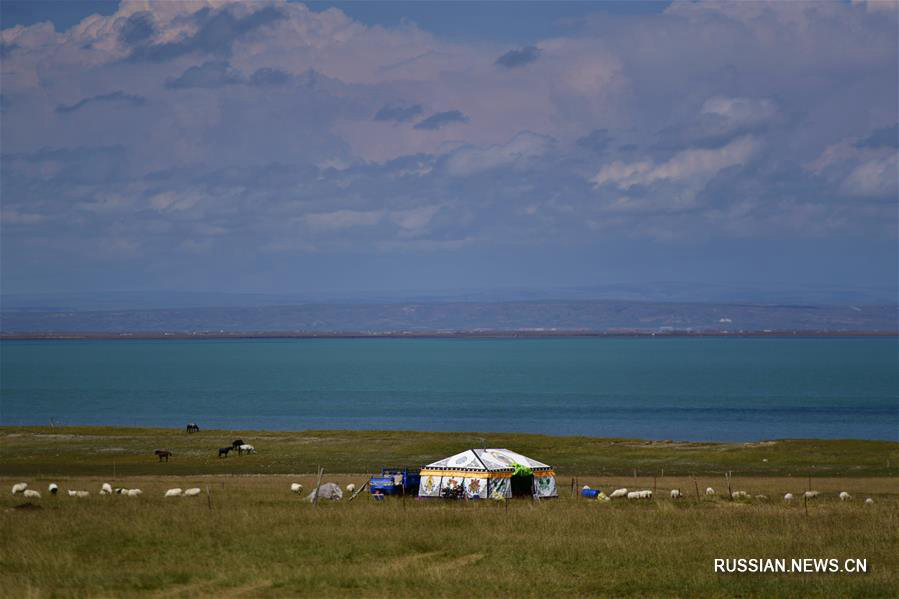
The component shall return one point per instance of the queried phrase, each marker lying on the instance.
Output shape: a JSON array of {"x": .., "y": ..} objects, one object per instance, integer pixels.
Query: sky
[{"x": 273, "y": 147}]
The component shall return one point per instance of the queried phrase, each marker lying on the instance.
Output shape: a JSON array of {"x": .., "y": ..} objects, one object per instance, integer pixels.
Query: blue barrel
[{"x": 590, "y": 493}]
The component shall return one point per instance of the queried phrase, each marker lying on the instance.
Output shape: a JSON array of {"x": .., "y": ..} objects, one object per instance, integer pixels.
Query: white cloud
[
  {"x": 519, "y": 151},
  {"x": 700, "y": 164}
]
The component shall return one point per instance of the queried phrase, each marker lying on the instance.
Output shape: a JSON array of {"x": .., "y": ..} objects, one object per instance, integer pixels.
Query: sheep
[
  {"x": 78, "y": 493},
  {"x": 18, "y": 488},
  {"x": 106, "y": 489},
  {"x": 740, "y": 495},
  {"x": 709, "y": 491},
  {"x": 640, "y": 495},
  {"x": 762, "y": 497},
  {"x": 193, "y": 492},
  {"x": 676, "y": 494},
  {"x": 844, "y": 496},
  {"x": 53, "y": 489},
  {"x": 350, "y": 488},
  {"x": 31, "y": 494},
  {"x": 810, "y": 494},
  {"x": 176, "y": 492},
  {"x": 788, "y": 497},
  {"x": 869, "y": 501},
  {"x": 120, "y": 491},
  {"x": 134, "y": 492},
  {"x": 296, "y": 488},
  {"x": 241, "y": 449},
  {"x": 618, "y": 493}
]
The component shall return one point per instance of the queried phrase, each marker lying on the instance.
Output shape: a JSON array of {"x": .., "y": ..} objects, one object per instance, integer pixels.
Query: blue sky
[{"x": 289, "y": 147}]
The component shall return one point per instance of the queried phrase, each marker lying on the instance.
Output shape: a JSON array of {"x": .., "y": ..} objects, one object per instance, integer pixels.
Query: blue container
[{"x": 590, "y": 493}]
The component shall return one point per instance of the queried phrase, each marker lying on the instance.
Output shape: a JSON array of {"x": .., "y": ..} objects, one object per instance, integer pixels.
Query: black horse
[
  {"x": 236, "y": 443},
  {"x": 223, "y": 451},
  {"x": 193, "y": 428},
  {"x": 163, "y": 454}
]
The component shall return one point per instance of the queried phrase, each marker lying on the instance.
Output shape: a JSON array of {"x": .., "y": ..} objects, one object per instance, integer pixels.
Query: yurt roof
[{"x": 486, "y": 460}]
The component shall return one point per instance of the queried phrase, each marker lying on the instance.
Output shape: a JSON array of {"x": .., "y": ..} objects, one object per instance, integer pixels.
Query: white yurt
[{"x": 489, "y": 473}]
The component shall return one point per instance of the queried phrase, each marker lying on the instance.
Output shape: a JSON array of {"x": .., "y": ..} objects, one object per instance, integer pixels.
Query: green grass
[
  {"x": 258, "y": 539},
  {"x": 252, "y": 537},
  {"x": 99, "y": 450}
]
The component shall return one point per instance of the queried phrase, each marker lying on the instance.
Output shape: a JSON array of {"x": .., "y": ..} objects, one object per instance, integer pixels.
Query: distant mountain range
[{"x": 533, "y": 316}]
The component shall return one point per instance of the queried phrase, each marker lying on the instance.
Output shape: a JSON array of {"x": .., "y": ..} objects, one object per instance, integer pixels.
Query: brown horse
[{"x": 163, "y": 454}]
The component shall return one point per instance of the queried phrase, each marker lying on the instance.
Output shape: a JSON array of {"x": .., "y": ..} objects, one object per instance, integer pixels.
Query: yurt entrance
[{"x": 522, "y": 484}]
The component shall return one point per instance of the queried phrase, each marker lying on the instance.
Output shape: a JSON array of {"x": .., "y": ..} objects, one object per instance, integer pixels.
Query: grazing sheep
[
  {"x": 676, "y": 494},
  {"x": 241, "y": 449},
  {"x": 350, "y": 488},
  {"x": 296, "y": 488},
  {"x": 53, "y": 489},
  {"x": 869, "y": 501},
  {"x": 106, "y": 489},
  {"x": 193, "y": 492},
  {"x": 618, "y": 493},
  {"x": 640, "y": 495},
  {"x": 18, "y": 488},
  {"x": 78, "y": 493},
  {"x": 788, "y": 497},
  {"x": 31, "y": 494},
  {"x": 176, "y": 492},
  {"x": 844, "y": 496},
  {"x": 740, "y": 495},
  {"x": 134, "y": 492},
  {"x": 709, "y": 491},
  {"x": 762, "y": 497},
  {"x": 810, "y": 494}
]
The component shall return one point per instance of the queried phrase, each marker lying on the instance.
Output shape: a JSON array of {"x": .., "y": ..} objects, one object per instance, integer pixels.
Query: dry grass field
[{"x": 250, "y": 536}]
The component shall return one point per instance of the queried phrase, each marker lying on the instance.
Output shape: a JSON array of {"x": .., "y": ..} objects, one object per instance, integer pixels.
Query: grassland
[{"x": 251, "y": 537}]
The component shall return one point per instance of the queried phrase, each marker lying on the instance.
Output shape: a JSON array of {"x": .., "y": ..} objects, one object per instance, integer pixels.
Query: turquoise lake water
[{"x": 675, "y": 388}]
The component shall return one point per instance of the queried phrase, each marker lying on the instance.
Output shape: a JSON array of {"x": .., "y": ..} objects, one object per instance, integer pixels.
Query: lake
[{"x": 722, "y": 389}]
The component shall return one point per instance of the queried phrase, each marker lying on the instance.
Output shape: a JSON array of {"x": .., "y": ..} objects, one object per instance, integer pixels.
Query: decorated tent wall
[{"x": 485, "y": 473}]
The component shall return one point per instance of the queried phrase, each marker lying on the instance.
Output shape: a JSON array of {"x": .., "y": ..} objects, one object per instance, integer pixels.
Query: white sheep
[
  {"x": 762, "y": 497},
  {"x": 246, "y": 449},
  {"x": 134, "y": 492},
  {"x": 844, "y": 496},
  {"x": 18, "y": 488},
  {"x": 176, "y": 492},
  {"x": 640, "y": 495},
  {"x": 709, "y": 491},
  {"x": 193, "y": 492},
  {"x": 31, "y": 494},
  {"x": 618, "y": 493},
  {"x": 350, "y": 488},
  {"x": 53, "y": 489},
  {"x": 296, "y": 488},
  {"x": 676, "y": 494},
  {"x": 788, "y": 497},
  {"x": 740, "y": 495},
  {"x": 810, "y": 494},
  {"x": 78, "y": 493},
  {"x": 869, "y": 501},
  {"x": 106, "y": 489}
]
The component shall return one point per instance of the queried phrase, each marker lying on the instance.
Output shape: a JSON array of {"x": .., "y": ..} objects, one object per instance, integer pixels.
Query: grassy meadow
[{"x": 248, "y": 535}]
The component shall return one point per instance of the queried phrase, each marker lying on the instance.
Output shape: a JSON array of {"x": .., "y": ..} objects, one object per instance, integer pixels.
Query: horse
[
  {"x": 236, "y": 443},
  {"x": 223, "y": 451},
  {"x": 193, "y": 428},
  {"x": 163, "y": 454}
]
